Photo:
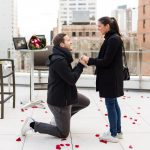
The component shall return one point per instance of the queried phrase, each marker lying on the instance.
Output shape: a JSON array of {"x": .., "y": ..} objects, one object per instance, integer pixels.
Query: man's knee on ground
[{"x": 64, "y": 134}]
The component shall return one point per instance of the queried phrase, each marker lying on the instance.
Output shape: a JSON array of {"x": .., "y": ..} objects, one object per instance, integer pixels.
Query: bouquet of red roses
[{"x": 36, "y": 43}]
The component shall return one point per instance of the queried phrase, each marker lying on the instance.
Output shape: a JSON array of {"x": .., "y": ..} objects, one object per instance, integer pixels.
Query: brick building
[{"x": 144, "y": 34}]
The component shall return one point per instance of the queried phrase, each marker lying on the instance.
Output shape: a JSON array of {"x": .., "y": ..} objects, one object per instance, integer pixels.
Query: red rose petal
[
  {"x": 106, "y": 114},
  {"x": 131, "y": 118},
  {"x": 135, "y": 119},
  {"x": 22, "y": 110},
  {"x": 133, "y": 123},
  {"x": 103, "y": 141},
  {"x": 97, "y": 135},
  {"x": 26, "y": 109},
  {"x": 46, "y": 112},
  {"x": 61, "y": 144},
  {"x": 67, "y": 144},
  {"x": 130, "y": 146},
  {"x": 18, "y": 139},
  {"x": 34, "y": 107},
  {"x": 76, "y": 146},
  {"x": 106, "y": 125},
  {"x": 58, "y": 146},
  {"x": 138, "y": 113},
  {"x": 22, "y": 120},
  {"x": 125, "y": 116}
]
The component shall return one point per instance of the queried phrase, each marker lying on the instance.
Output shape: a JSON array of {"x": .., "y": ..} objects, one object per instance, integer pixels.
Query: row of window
[{"x": 74, "y": 34}]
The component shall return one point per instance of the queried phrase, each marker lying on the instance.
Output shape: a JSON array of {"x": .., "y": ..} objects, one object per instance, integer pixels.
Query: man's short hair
[{"x": 59, "y": 38}]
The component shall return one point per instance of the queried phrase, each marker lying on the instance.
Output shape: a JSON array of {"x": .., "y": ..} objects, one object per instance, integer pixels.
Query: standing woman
[{"x": 109, "y": 74}]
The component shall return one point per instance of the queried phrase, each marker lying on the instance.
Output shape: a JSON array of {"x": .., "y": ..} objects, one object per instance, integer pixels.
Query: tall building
[
  {"x": 68, "y": 8},
  {"x": 8, "y": 25},
  {"x": 127, "y": 19},
  {"x": 144, "y": 34}
]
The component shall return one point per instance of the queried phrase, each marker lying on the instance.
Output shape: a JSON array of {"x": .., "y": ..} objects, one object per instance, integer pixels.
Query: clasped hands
[{"x": 84, "y": 60}]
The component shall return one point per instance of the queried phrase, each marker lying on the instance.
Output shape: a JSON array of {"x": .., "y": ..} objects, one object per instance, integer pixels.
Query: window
[
  {"x": 64, "y": 17},
  {"x": 82, "y": 4},
  {"x": 72, "y": 8},
  {"x": 91, "y": 7},
  {"x": 144, "y": 23},
  {"x": 93, "y": 34},
  {"x": 80, "y": 33},
  {"x": 73, "y": 34},
  {"x": 143, "y": 9},
  {"x": 91, "y": 3},
  {"x": 144, "y": 38},
  {"x": 87, "y": 33},
  {"x": 72, "y": 4},
  {"x": 81, "y": 8}
]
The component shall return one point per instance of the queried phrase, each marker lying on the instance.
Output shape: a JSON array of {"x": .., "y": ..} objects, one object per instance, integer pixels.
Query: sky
[{"x": 40, "y": 16}]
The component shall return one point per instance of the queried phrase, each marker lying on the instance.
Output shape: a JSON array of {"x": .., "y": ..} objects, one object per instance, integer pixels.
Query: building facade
[
  {"x": 68, "y": 7},
  {"x": 144, "y": 24},
  {"x": 8, "y": 25},
  {"x": 144, "y": 34}
]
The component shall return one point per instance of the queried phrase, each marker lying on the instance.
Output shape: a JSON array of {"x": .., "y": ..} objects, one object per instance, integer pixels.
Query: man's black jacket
[{"x": 62, "y": 78}]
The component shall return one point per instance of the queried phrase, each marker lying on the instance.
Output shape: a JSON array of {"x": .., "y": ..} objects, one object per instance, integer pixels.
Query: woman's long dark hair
[{"x": 112, "y": 23}]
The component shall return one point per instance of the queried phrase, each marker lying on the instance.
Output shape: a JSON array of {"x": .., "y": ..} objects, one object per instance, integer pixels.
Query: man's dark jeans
[{"x": 62, "y": 116}]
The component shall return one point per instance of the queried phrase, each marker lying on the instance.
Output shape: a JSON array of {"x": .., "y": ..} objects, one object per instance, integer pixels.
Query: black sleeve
[
  {"x": 111, "y": 50},
  {"x": 66, "y": 73}
]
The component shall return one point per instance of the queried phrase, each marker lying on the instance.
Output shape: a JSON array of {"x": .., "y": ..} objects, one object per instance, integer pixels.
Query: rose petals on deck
[
  {"x": 61, "y": 144},
  {"x": 130, "y": 146},
  {"x": 34, "y": 107},
  {"x": 76, "y": 146},
  {"x": 67, "y": 144},
  {"x": 97, "y": 135},
  {"x": 103, "y": 141},
  {"x": 58, "y": 146},
  {"x": 22, "y": 109},
  {"x": 18, "y": 139}
]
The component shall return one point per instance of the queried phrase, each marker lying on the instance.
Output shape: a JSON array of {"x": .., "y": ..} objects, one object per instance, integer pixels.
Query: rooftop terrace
[{"x": 86, "y": 126}]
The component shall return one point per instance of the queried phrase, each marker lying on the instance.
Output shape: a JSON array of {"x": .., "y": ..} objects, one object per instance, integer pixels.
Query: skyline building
[
  {"x": 127, "y": 19},
  {"x": 68, "y": 8},
  {"x": 8, "y": 25}
]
